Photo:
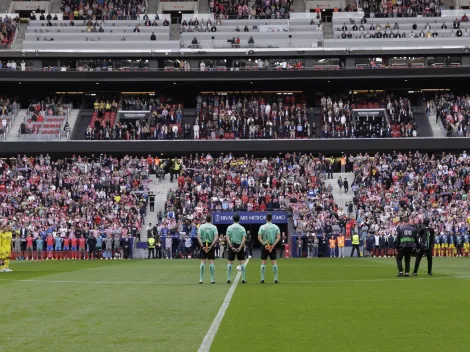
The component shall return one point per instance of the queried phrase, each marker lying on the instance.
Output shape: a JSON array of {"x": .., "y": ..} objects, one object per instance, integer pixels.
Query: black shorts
[
  {"x": 209, "y": 255},
  {"x": 265, "y": 254},
  {"x": 239, "y": 255}
]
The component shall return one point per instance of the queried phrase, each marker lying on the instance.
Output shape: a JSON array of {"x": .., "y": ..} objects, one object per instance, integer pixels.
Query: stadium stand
[
  {"x": 251, "y": 33},
  {"x": 9, "y": 111},
  {"x": 163, "y": 121},
  {"x": 75, "y": 9},
  {"x": 252, "y": 117},
  {"x": 90, "y": 33},
  {"x": 45, "y": 120},
  {"x": 256, "y": 9},
  {"x": 355, "y": 27},
  {"x": 453, "y": 112},
  {"x": 385, "y": 118},
  {"x": 8, "y": 31},
  {"x": 379, "y": 8},
  {"x": 383, "y": 194},
  {"x": 230, "y": 183},
  {"x": 111, "y": 202}
]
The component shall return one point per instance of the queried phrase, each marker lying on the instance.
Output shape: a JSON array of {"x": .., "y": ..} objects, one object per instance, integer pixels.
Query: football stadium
[{"x": 258, "y": 175}]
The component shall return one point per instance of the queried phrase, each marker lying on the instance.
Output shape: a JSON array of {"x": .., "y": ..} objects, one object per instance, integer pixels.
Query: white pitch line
[
  {"x": 377, "y": 280},
  {"x": 102, "y": 282},
  {"x": 209, "y": 338}
]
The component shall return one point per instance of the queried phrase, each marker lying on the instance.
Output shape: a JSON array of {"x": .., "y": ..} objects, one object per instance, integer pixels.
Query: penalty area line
[{"x": 209, "y": 338}]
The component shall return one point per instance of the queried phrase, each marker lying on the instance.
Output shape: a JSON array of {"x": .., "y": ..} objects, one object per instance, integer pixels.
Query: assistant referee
[
  {"x": 236, "y": 238},
  {"x": 207, "y": 236},
  {"x": 269, "y": 236}
]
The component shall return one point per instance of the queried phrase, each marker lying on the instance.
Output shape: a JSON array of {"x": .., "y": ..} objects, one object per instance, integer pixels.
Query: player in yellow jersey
[
  {"x": 2, "y": 254},
  {"x": 7, "y": 239}
]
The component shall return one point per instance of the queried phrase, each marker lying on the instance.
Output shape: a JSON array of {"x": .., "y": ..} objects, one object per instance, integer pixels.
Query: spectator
[
  {"x": 153, "y": 37},
  {"x": 252, "y": 117}
]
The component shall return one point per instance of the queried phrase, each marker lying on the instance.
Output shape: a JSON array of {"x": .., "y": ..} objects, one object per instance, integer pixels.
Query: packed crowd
[
  {"x": 8, "y": 110},
  {"x": 164, "y": 120},
  {"x": 292, "y": 182},
  {"x": 8, "y": 28},
  {"x": 253, "y": 117},
  {"x": 37, "y": 113},
  {"x": 400, "y": 8},
  {"x": 340, "y": 121},
  {"x": 251, "y": 9},
  {"x": 454, "y": 113},
  {"x": 73, "y": 198},
  {"x": 392, "y": 30},
  {"x": 388, "y": 188},
  {"x": 110, "y": 10}
]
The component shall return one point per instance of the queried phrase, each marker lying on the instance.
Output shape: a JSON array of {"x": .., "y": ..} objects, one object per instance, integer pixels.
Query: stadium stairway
[
  {"x": 79, "y": 131},
  {"x": 449, "y": 3},
  {"x": 318, "y": 121},
  {"x": 152, "y": 6},
  {"x": 424, "y": 128},
  {"x": 55, "y": 6},
  {"x": 340, "y": 197},
  {"x": 299, "y": 5},
  {"x": 437, "y": 128},
  {"x": 189, "y": 116},
  {"x": 175, "y": 31},
  {"x": 4, "y": 6},
  {"x": 18, "y": 44},
  {"x": 15, "y": 128},
  {"x": 72, "y": 120},
  {"x": 160, "y": 190},
  {"x": 204, "y": 6},
  {"x": 327, "y": 30}
]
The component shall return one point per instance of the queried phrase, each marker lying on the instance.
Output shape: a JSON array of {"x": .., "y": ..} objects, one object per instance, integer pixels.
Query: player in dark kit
[
  {"x": 405, "y": 243},
  {"x": 426, "y": 238}
]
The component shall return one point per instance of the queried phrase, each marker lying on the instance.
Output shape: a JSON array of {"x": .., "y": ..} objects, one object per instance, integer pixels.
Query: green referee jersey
[
  {"x": 235, "y": 233},
  {"x": 207, "y": 233},
  {"x": 269, "y": 232}
]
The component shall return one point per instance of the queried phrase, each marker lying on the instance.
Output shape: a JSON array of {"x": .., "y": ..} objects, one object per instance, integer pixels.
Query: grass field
[{"x": 320, "y": 304}]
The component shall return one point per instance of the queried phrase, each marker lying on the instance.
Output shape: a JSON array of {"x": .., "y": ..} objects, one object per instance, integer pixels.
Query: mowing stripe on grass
[
  {"x": 209, "y": 338},
  {"x": 232, "y": 288}
]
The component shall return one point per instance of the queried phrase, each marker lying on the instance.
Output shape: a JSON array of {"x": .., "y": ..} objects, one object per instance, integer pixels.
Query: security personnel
[
  {"x": 151, "y": 247},
  {"x": 405, "y": 243},
  {"x": 355, "y": 244},
  {"x": 426, "y": 238}
]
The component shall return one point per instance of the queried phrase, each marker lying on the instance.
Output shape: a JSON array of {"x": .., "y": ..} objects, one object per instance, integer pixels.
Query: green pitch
[{"x": 320, "y": 305}]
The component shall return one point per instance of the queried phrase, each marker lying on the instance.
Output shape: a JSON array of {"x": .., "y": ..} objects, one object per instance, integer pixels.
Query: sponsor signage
[
  {"x": 133, "y": 115},
  {"x": 249, "y": 217}
]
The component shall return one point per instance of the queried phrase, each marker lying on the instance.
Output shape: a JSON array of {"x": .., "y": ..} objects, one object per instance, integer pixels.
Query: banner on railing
[
  {"x": 369, "y": 112},
  {"x": 249, "y": 217},
  {"x": 133, "y": 115}
]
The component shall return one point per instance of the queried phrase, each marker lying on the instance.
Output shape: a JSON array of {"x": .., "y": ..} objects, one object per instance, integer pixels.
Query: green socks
[
  {"x": 201, "y": 271},
  {"x": 263, "y": 270},
  {"x": 243, "y": 272},
  {"x": 229, "y": 271},
  {"x": 275, "y": 272},
  {"x": 212, "y": 269}
]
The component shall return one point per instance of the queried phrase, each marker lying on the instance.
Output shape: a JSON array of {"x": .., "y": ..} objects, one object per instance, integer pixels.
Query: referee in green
[
  {"x": 207, "y": 236},
  {"x": 236, "y": 237},
  {"x": 269, "y": 236}
]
